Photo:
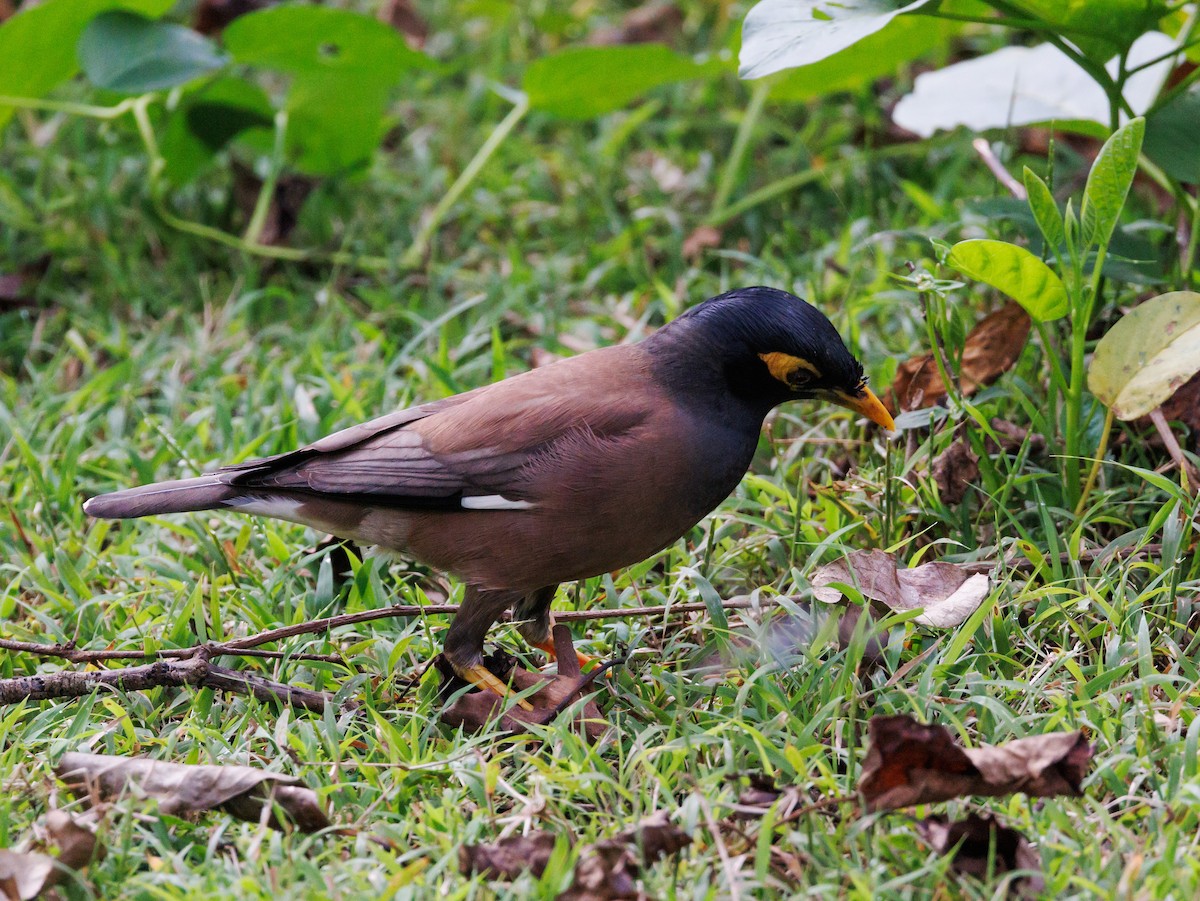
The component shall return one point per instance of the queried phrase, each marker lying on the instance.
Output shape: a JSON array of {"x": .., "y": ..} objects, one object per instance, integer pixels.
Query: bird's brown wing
[{"x": 472, "y": 451}]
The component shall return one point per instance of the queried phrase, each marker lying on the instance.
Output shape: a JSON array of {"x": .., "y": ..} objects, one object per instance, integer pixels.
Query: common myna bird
[{"x": 567, "y": 471}]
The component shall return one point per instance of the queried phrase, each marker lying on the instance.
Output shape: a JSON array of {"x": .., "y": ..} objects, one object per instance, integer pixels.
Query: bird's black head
[{"x": 768, "y": 346}]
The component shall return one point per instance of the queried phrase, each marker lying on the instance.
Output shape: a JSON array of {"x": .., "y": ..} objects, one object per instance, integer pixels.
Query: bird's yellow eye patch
[{"x": 792, "y": 371}]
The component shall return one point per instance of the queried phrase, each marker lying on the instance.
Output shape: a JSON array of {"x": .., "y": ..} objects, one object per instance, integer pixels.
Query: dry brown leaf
[
  {"x": 182, "y": 789},
  {"x": 977, "y": 841},
  {"x": 16, "y": 288},
  {"x": 606, "y": 870},
  {"x": 283, "y": 213},
  {"x": 476, "y": 709},
  {"x": 947, "y": 592},
  {"x": 212, "y": 16},
  {"x": 509, "y": 857},
  {"x": 402, "y": 15},
  {"x": 911, "y": 763},
  {"x": 954, "y": 471},
  {"x": 702, "y": 238},
  {"x": 27, "y": 874},
  {"x": 991, "y": 349},
  {"x": 655, "y": 22},
  {"x": 994, "y": 346}
]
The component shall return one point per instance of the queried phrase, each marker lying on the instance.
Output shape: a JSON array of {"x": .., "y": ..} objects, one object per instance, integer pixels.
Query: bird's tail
[{"x": 180, "y": 496}]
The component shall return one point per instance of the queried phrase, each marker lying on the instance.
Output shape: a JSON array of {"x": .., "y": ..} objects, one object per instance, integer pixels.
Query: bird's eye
[{"x": 799, "y": 377}]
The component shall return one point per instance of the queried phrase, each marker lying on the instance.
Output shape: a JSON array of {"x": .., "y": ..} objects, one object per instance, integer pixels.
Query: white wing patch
[
  {"x": 274, "y": 506},
  {"x": 493, "y": 502}
]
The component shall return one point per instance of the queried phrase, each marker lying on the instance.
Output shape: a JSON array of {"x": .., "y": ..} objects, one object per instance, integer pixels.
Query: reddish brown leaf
[
  {"x": 182, "y": 789},
  {"x": 655, "y": 22},
  {"x": 947, "y": 593},
  {"x": 911, "y": 763},
  {"x": 990, "y": 350},
  {"x": 509, "y": 857},
  {"x": 402, "y": 15},
  {"x": 606, "y": 870},
  {"x": 283, "y": 213},
  {"x": 16, "y": 288},
  {"x": 212, "y": 16},
  {"x": 954, "y": 471},
  {"x": 994, "y": 346},
  {"x": 978, "y": 842},
  {"x": 702, "y": 238}
]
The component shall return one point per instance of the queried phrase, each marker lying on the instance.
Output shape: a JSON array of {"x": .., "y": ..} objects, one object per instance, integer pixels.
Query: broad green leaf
[
  {"x": 1045, "y": 210},
  {"x": 1173, "y": 137},
  {"x": 343, "y": 66},
  {"x": 880, "y": 54},
  {"x": 785, "y": 34},
  {"x": 583, "y": 82},
  {"x": 1027, "y": 86},
  {"x": 207, "y": 119},
  {"x": 37, "y": 45},
  {"x": 1148, "y": 354},
  {"x": 124, "y": 52},
  {"x": 1100, "y": 28},
  {"x": 322, "y": 42},
  {"x": 1108, "y": 182},
  {"x": 1014, "y": 271}
]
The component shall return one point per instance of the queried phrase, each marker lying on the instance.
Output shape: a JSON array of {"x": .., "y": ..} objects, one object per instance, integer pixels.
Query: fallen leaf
[
  {"x": 509, "y": 857},
  {"x": 402, "y": 15},
  {"x": 212, "y": 16},
  {"x": 978, "y": 843},
  {"x": 994, "y": 346},
  {"x": 651, "y": 23},
  {"x": 947, "y": 593},
  {"x": 26, "y": 874},
  {"x": 283, "y": 213},
  {"x": 607, "y": 870},
  {"x": 911, "y": 763},
  {"x": 182, "y": 789},
  {"x": 702, "y": 238},
  {"x": 1010, "y": 437},
  {"x": 954, "y": 471},
  {"x": 476, "y": 709},
  {"x": 16, "y": 288},
  {"x": 991, "y": 348}
]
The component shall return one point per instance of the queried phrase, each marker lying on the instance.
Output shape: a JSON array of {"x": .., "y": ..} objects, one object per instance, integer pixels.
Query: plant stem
[
  {"x": 1079, "y": 327},
  {"x": 65, "y": 106},
  {"x": 1097, "y": 463},
  {"x": 412, "y": 257},
  {"x": 266, "y": 193},
  {"x": 741, "y": 141}
]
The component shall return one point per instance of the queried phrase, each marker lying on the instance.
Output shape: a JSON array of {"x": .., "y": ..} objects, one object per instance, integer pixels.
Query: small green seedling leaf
[
  {"x": 1045, "y": 210},
  {"x": 131, "y": 54},
  {"x": 584, "y": 82},
  {"x": 1108, "y": 182},
  {"x": 1016, "y": 272},
  {"x": 1148, "y": 354}
]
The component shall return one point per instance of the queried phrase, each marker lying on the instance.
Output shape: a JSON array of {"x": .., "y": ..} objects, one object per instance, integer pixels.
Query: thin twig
[
  {"x": 984, "y": 149},
  {"x": 194, "y": 671}
]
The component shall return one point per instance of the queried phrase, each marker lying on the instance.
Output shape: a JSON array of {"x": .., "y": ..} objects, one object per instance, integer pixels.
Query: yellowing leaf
[{"x": 1148, "y": 354}]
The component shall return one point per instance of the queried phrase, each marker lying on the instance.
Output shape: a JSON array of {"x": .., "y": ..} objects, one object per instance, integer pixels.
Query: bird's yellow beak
[{"x": 866, "y": 404}]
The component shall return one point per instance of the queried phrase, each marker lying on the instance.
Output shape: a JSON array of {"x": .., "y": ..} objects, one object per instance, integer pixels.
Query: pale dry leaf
[
  {"x": 183, "y": 789},
  {"x": 946, "y": 592},
  {"x": 911, "y": 763}
]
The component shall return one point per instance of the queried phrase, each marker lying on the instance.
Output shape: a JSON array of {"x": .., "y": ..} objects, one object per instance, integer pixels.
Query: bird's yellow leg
[
  {"x": 547, "y": 647},
  {"x": 481, "y": 677}
]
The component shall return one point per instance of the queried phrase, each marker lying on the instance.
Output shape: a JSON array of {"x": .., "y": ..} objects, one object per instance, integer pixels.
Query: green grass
[{"x": 151, "y": 354}]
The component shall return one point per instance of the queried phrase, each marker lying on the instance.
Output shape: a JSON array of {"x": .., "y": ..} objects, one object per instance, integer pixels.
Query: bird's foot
[
  {"x": 547, "y": 647},
  {"x": 481, "y": 677}
]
